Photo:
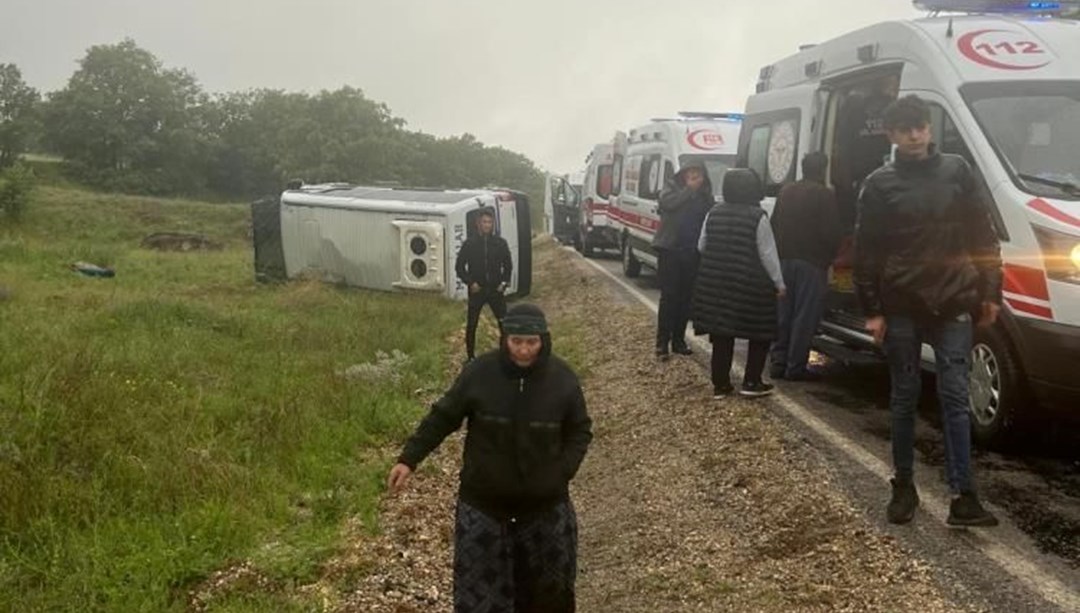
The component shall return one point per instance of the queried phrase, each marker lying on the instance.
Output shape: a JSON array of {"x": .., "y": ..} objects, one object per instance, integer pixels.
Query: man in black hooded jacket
[
  {"x": 685, "y": 201},
  {"x": 927, "y": 266},
  {"x": 484, "y": 265},
  {"x": 515, "y": 541}
]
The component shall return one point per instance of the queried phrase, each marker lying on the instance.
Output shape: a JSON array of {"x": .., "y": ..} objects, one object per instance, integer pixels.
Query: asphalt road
[{"x": 1030, "y": 562}]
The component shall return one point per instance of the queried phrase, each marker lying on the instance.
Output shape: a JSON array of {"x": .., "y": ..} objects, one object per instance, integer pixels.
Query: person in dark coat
[
  {"x": 485, "y": 266},
  {"x": 807, "y": 231},
  {"x": 738, "y": 283},
  {"x": 684, "y": 203},
  {"x": 515, "y": 537},
  {"x": 927, "y": 268}
]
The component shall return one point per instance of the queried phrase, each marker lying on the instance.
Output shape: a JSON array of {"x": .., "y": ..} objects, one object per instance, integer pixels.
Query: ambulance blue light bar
[
  {"x": 710, "y": 115},
  {"x": 1033, "y": 7}
]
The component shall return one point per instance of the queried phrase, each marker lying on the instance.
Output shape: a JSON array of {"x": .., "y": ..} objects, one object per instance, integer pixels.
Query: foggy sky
[{"x": 545, "y": 78}]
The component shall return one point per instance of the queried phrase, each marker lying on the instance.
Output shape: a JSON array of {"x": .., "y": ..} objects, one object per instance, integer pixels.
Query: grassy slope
[{"x": 156, "y": 426}]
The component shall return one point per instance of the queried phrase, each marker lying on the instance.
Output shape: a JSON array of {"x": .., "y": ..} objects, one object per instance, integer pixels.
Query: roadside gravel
[{"x": 684, "y": 503}]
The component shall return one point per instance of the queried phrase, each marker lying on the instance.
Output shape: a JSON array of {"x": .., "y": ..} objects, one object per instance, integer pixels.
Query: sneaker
[
  {"x": 966, "y": 510},
  {"x": 682, "y": 349},
  {"x": 755, "y": 389},
  {"x": 662, "y": 354},
  {"x": 904, "y": 500},
  {"x": 721, "y": 391}
]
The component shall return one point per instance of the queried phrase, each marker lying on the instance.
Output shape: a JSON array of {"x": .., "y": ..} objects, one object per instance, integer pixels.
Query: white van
[
  {"x": 1004, "y": 90},
  {"x": 650, "y": 155},
  {"x": 595, "y": 230},
  {"x": 386, "y": 239}
]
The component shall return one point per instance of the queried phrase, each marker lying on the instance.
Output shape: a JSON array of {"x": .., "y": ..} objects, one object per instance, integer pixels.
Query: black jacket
[
  {"x": 683, "y": 211},
  {"x": 486, "y": 260},
  {"x": 924, "y": 244},
  {"x": 805, "y": 223},
  {"x": 528, "y": 431}
]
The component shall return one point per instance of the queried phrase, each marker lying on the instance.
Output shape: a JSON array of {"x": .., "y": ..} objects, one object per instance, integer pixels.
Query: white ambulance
[
  {"x": 595, "y": 230},
  {"x": 650, "y": 155},
  {"x": 562, "y": 206},
  {"x": 1003, "y": 83}
]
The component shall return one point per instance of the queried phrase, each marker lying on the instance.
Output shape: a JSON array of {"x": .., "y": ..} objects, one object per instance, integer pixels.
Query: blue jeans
[{"x": 951, "y": 341}]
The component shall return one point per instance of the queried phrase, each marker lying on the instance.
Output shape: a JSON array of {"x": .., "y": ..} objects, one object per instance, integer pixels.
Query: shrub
[{"x": 16, "y": 187}]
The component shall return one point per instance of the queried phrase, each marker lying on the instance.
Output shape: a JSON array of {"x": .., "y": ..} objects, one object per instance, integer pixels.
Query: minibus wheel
[
  {"x": 997, "y": 390},
  {"x": 631, "y": 266}
]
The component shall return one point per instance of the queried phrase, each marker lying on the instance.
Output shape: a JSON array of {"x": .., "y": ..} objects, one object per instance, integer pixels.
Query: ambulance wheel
[
  {"x": 586, "y": 245},
  {"x": 631, "y": 266},
  {"x": 999, "y": 398}
]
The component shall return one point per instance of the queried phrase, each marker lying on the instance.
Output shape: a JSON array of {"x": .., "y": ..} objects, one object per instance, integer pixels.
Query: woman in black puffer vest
[{"x": 738, "y": 282}]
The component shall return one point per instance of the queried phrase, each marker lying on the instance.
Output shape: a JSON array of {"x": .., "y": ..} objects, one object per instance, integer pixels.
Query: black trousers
[
  {"x": 490, "y": 297},
  {"x": 723, "y": 350},
  {"x": 676, "y": 270}
]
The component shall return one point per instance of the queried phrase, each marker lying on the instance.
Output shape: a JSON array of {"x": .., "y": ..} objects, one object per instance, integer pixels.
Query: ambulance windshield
[
  {"x": 1035, "y": 128},
  {"x": 715, "y": 165}
]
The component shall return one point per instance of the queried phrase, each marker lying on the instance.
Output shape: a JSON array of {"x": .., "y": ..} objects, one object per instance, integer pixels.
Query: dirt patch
[
  {"x": 180, "y": 241},
  {"x": 685, "y": 503}
]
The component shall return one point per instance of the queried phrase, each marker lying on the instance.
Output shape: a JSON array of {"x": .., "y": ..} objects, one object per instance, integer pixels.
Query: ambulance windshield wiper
[{"x": 1066, "y": 187}]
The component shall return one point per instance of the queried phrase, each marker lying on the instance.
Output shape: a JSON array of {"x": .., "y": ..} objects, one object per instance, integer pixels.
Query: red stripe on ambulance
[{"x": 1049, "y": 210}]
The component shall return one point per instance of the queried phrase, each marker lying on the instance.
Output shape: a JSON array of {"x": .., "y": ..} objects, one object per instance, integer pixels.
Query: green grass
[{"x": 163, "y": 424}]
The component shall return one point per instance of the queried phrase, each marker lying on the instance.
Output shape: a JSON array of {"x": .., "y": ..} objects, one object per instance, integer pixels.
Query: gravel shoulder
[{"x": 684, "y": 503}]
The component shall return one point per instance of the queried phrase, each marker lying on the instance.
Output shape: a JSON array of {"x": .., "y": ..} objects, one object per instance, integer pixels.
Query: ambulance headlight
[{"x": 1061, "y": 254}]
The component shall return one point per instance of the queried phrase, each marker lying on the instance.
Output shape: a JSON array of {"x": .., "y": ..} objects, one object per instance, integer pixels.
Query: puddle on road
[{"x": 1053, "y": 532}]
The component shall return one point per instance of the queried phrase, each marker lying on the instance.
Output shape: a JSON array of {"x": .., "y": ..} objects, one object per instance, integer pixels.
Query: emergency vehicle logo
[
  {"x": 1003, "y": 50},
  {"x": 706, "y": 140}
]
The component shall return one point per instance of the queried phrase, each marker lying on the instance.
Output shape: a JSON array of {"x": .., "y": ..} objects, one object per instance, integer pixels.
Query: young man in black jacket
[
  {"x": 927, "y": 267},
  {"x": 484, "y": 265},
  {"x": 515, "y": 538}
]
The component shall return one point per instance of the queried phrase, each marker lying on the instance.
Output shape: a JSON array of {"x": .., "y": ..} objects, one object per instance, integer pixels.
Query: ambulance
[
  {"x": 595, "y": 230},
  {"x": 562, "y": 206},
  {"x": 650, "y": 155},
  {"x": 1003, "y": 82}
]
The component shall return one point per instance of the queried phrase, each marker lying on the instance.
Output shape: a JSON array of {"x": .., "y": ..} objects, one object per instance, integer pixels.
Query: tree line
[{"x": 126, "y": 123}]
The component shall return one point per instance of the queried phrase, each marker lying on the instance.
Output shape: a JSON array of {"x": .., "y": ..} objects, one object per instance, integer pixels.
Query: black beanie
[{"x": 524, "y": 319}]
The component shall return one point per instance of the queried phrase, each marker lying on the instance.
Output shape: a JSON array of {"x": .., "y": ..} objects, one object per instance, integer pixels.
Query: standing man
[
  {"x": 684, "y": 203},
  {"x": 807, "y": 232},
  {"x": 927, "y": 267},
  {"x": 515, "y": 537},
  {"x": 484, "y": 265}
]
